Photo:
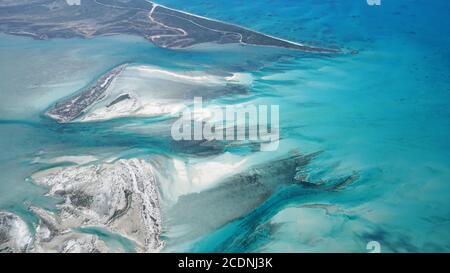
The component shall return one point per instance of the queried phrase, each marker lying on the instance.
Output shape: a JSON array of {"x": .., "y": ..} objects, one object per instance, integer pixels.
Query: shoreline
[{"x": 163, "y": 26}]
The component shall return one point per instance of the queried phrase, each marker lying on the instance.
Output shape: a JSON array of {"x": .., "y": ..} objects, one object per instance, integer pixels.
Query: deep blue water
[{"x": 381, "y": 113}]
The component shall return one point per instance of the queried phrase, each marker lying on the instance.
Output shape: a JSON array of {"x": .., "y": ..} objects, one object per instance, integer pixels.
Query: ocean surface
[{"x": 378, "y": 110}]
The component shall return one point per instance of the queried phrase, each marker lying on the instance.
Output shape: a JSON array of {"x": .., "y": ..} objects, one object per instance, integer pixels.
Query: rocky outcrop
[
  {"x": 52, "y": 237},
  {"x": 120, "y": 197},
  {"x": 15, "y": 236}
]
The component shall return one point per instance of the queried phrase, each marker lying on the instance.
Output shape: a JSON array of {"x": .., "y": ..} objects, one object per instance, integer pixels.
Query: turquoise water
[
  {"x": 381, "y": 113},
  {"x": 113, "y": 241}
]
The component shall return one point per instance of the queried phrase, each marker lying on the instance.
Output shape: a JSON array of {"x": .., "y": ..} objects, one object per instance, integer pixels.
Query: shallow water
[{"x": 381, "y": 113}]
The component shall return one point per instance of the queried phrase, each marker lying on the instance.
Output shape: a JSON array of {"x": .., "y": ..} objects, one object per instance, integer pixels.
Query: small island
[{"x": 72, "y": 107}]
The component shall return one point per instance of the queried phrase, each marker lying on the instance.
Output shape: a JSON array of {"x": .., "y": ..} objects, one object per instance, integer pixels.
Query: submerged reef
[
  {"x": 163, "y": 26},
  {"x": 239, "y": 194}
]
